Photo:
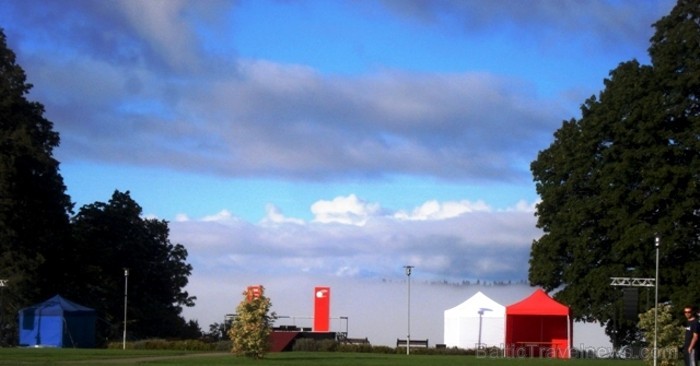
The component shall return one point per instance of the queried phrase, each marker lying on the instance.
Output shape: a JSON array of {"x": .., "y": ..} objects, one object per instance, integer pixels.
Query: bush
[
  {"x": 313, "y": 345},
  {"x": 327, "y": 345},
  {"x": 444, "y": 351},
  {"x": 381, "y": 349},
  {"x": 305, "y": 345},
  {"x": 358, "y": 348},
  {"x": 670, "y": 335},
  {"x": 222, "y": 346},
  {"x": 175, "y": 345}
]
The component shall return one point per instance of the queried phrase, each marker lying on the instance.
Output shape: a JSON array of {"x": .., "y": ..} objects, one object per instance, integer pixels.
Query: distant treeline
[{"x": 465, "y": 283}]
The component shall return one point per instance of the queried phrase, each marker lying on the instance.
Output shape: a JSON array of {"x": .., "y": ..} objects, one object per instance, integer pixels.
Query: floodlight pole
[
  {"x": 408, "y": 336},
  {"x": 657, "y": 242},
  {"x": 347, "y": 320},
  {"x": 646, "y": 282},
  {"x": 126, "y": 287},
  {"x": 3, "y": 283},
  {"x": 481, "y": 314}
]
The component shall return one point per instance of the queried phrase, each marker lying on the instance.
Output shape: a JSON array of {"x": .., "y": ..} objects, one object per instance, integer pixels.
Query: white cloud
[
  {"x": 221, "y": 216},
  {"x": 181, "y": 217},
  {"x": 344, "y": 210},
  {"x": 434, "y": 210},
  {"x": 273, "y": 215},
  {"x": 352, "y": 237},
  {"x": 524, "y": 206}
]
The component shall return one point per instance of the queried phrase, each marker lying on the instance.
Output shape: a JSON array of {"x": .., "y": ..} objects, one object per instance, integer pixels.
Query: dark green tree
[
  {"x": 34, "y": 208},
  {"x": 626, "y": 172},
  {"x": 113, "y": 236}
]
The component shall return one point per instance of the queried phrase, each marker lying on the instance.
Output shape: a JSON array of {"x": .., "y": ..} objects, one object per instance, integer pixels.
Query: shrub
[
  {"x": 327, "y": 345},
  {"x": 305, "y": 345},
  {"x": 162, "y": 344},
  {"x": 313, "y": 345},
  {"x": 381, "y": 349},
  {"x": 221, "y": 346},
  {"x": 250, "y": 330},
  {"x": 670, "y": 335},
  {"x": 359, "y": 348}
]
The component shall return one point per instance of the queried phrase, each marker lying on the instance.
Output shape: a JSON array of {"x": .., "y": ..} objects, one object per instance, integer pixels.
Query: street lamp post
[
  {"x": 646, "y": 282},
  {"x": 657, "y": 242},
  {"x": 126, "y": 287},
  {"x": 346, "y": 324},
  {"x": 481, "y": 314},
  {"x": 408, "y": 336},
  {"x": 3, "y": 283}
]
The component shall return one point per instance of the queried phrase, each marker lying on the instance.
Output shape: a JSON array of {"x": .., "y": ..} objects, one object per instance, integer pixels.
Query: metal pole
[
  {"x": 3, "y": 283},
  {"x": 657, "y": 242},
  {"x": 481, "y": 314},
  {"x": 347, "y": 320},
  {"x": 126, "y": 287},
  {"x": 408, "y": 336}
]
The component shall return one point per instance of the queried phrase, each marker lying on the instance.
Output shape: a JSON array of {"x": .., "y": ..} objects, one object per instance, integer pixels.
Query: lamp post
[
  {"x": 346, "y": 324},
  {"x": 646, "y": 282},
  {"x": 126, "y": 287},
  {"x": 657, "y": 243},
  {"x": 3, "y": 283},
  {"x": 408, "y": 336},
  {"x": 481, "y": 314}
]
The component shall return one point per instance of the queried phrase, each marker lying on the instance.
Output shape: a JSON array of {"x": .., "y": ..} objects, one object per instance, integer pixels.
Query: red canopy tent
[{"x": 538, "y": 326}]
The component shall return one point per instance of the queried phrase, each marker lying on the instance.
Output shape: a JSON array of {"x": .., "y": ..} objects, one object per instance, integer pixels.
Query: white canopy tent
[{"x": 477, "y": 320}]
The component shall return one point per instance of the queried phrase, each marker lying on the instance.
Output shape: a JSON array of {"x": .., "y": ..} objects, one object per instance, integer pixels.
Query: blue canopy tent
[{"x": 57, "y": 322}]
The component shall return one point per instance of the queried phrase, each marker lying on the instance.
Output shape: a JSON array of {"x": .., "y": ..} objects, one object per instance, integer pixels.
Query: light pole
[
  {"x": 346, "y": 324},
  {"x": 3, "y": 283},
  {"x": 657, "y": 243},
  {"x": 126, "y": 287},
  {"x": 408, "y": 336},
  {"x": 481, "y": 314}
]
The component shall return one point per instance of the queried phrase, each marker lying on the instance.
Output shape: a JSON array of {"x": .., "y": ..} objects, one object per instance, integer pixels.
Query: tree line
[{"x": 46, "y": 248}]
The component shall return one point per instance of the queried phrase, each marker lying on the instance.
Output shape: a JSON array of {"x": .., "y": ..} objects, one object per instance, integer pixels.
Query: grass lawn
[{"x": 57, "y": 356}]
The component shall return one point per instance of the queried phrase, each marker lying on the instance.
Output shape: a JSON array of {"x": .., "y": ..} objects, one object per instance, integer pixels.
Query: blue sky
[{"x": 330, "y": 140}]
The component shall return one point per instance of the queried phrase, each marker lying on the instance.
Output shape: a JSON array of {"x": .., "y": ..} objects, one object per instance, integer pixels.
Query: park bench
[
  {"x": 356, "y": 340},
  {"x": 422, "y": 343}
]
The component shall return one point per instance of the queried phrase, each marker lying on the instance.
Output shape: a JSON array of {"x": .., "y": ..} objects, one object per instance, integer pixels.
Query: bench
[
  {"x": 423, "y": 343},
  {"x": 356, "y": 340},
  {"x": 344, "y": 339}
]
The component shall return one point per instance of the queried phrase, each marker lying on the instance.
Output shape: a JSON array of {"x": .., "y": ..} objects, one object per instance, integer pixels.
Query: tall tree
[
  {"x": 625, "y": 172},
  {"x": 34, "y": 207},
  {"x": 113, "y": 236},
  {"x": 251, "y": 328}
]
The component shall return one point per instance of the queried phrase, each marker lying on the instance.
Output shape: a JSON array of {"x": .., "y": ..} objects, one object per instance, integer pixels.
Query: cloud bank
[
  {"x": 348, "y": 237},
  {"x": 160, "y": 78}
]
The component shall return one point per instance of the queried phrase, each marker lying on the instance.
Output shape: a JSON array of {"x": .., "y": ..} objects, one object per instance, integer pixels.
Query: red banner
[
  {"x": 253, "y": 292},
  {"x": 322, "y": 309}
]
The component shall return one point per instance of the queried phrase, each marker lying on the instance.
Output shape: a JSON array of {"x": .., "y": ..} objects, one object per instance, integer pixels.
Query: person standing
[{"x": 692, "y": 341}]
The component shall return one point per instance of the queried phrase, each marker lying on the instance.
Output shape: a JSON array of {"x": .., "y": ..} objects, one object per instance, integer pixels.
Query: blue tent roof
[
  {"x": 58, "y": 305},
  {"x": 57, "y": 322}
]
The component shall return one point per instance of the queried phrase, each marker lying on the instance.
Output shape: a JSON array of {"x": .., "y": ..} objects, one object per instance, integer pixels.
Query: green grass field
[{"x": 47, "y": 356}]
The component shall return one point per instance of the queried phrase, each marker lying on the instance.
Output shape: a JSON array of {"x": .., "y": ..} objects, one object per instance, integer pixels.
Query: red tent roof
[{"x": 539, "y": 303}]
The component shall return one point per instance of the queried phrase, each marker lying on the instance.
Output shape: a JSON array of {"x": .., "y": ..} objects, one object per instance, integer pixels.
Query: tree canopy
[
  {"x": 111, "y": 237},
  {"x": 45, "y": 251},
  {"x": 34, "y": 208},
  {"x": 624, "y": 173}
]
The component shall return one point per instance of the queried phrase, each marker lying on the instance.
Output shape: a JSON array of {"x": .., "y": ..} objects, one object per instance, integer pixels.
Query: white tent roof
[{"x": 477, "y": 318}]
